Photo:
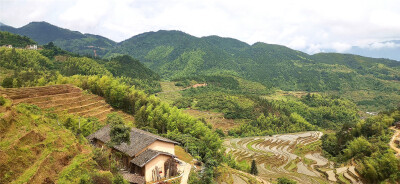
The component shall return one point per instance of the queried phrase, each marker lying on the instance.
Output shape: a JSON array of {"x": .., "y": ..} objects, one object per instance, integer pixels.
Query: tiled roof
[
  {"x": 139, "y": 140},
  {"x": 147, "y": 156},
  {"x": 133, "y": 178}
]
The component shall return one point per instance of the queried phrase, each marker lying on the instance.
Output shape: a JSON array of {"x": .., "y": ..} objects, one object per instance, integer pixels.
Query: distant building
[
  {"x": 372, "y": 113},
  {"x": 146, "y": 158},
  {"x": 7, "y": 46},
  {"x": 31, "y": 47},
  {"x": 397, "y": 125}
]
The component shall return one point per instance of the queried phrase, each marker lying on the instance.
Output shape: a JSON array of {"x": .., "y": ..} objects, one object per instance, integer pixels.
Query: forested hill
[
  {"x": 73, "y": 41},
  {"x": 7, "y": 38},
  {"x": 174, "y": 54}
]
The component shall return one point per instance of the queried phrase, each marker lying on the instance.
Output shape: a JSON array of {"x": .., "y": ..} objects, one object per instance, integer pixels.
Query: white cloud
[
  {"x": 381, "y": 45},
  {"x": 341, "y": 47},
  {"x": 308, "y": 25}
]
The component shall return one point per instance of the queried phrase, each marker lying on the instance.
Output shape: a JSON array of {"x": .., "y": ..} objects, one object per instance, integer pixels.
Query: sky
[{"x": 307, "y": 25}]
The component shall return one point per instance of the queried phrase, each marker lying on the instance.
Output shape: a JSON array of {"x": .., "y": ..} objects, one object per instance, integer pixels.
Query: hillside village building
[
  {"x": 8, "y": 46},
  {"x": 31, "y": 47},
  {"x": 147, "y": 157}
]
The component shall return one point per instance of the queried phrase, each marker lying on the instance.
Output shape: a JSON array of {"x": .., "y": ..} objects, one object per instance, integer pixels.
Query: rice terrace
[
  {"x": 286, "y": 155},
  {"x": 62, "y": 98}
]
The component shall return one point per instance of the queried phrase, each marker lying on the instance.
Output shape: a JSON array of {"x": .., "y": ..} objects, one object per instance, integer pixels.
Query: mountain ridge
[
  {"x": 176, "y": 54},
  {"x": 73, "y": 41},
  {"x": 108, "y": 44}
]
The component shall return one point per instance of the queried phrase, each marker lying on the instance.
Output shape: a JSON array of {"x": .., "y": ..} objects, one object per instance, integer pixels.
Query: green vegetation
[
  {"x": 32, "y": 68},
  {"x": 150, "y": 113},
  {"x": 177, "y": 55},
  {"x": 73, "y": 41},
  {"x": 123, "y": 66},
  {"x": 264, "y": 115},
  {"x": 241, "y": 81},
  {"x": 286, "y": 181},
  {"x": 119, "y": 133},
  {"x": 253, "y": 169},
  {"x": 2, "y": 101},
  {"x": 366, "y": 142},
  {"x": 39, "y": 146},
  {"x": 134, "y": 72},
  {"x": 7, "y": 38}
]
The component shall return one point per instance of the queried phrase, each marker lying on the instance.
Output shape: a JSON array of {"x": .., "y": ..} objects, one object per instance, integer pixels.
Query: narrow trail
[
  {"x": 396, "y": 136},
  {"x": 182, "y": 89},
  {"x": 186, "y": 172}
]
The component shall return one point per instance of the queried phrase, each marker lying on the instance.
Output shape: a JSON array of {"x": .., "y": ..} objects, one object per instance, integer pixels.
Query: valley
[{"x": 300, "y": 117}]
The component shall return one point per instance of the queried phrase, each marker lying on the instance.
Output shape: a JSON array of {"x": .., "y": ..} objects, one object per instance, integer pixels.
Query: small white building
[{"x": 31, "y": 47}]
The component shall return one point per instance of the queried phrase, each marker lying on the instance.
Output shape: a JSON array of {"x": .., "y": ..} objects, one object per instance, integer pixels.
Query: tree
[
  {"x": 119, "y": 133},
  {"x": 118, "y": 180},
  {"x": 358, "y": 148},
  {"x": 7, "y": 82},
  {"x": 2, "y": 100},
  {"x": 253, "y": 169}
]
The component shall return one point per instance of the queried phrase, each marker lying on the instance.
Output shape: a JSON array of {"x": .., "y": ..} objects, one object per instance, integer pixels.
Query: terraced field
[
  {"x": 275, "y": 157},
  {"x": 39, "y": 152},
  {"x": 62, "y": 98}
]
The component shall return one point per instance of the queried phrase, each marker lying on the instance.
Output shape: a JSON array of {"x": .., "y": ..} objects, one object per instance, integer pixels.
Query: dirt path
[
  {"x": 238, "y": 180},
  {"x": 331, "y": 176},
  {"x": 392, "y": 143},
  {"x": 186, "y": 172},
  {"x": 166, "y": 87}
]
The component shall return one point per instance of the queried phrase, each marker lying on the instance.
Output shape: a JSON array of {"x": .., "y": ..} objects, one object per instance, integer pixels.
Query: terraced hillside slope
[
  {"x": 34, "y": 149},
  {"x": 284, "y": 156},
  {"x": 62, "y": 98}
]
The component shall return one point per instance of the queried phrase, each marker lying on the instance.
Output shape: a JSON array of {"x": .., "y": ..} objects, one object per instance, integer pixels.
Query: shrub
[
  {"x": 2, "y": 101},
  {"x": 284, "y": 180}
]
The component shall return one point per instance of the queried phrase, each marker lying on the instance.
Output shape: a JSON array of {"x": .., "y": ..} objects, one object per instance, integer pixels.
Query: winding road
[{"x": 393, "y": 145}]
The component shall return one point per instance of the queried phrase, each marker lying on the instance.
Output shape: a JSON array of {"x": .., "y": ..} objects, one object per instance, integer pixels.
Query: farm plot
[
  {"x": 276, "y": 156},
  {"x": 62, "y": 98}
]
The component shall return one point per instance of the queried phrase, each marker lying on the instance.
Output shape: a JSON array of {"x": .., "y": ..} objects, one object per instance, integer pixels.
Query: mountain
[
  {"x": 74, "y": 41},
  {"x": 7, "y": 38},
  {"x": 175, "y": 54},
  {"x": 126, "y": 66},
  {"x": 388, "y": 49}
]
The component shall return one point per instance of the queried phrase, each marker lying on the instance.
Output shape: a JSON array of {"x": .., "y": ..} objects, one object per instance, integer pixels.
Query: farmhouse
[
  {"x": 31, "y": 47},
  {"x": 147, "y": 157}
]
